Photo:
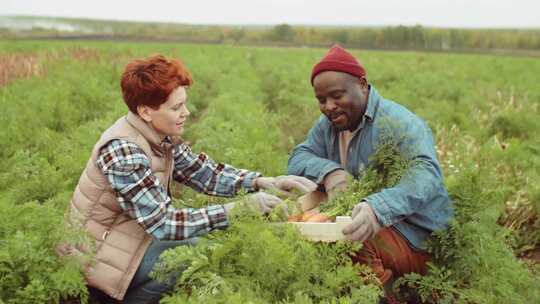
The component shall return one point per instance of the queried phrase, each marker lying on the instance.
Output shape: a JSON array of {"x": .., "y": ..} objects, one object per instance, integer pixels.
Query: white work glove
[
  {"x": 260, "y": 201},
  {"x": 335, "y": 182},
  {"x": 284, "y": 184},
  {"x": 364, "y": 224}
]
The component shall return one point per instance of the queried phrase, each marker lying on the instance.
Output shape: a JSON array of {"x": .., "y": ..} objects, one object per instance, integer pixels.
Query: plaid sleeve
[
  {"x": 202, "y": 174},
  {"x": 142, "y": 196}
]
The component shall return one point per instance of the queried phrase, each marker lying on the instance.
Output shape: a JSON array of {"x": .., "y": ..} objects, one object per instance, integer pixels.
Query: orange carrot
[
  {"x": 308, "y": 214},
  {"x": 319, "y": 218},
  {"x": 294, "y": 218}
]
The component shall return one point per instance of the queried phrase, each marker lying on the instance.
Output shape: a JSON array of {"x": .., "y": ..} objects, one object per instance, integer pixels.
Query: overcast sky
[{"x": 445, "y": 13}]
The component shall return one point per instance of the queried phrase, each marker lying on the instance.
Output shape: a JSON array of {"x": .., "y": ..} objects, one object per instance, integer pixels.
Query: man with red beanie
[{"x": 393, "y": 224}]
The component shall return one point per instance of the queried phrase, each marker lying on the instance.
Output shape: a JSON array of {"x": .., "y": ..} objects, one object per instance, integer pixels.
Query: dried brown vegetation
[
  {"x": 24, "y": 65},
  {"x": 84, "y": 54},
  {"x": 15, "y": 66}
]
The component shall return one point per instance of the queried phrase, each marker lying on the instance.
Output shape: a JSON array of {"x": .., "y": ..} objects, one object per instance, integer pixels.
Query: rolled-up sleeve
[{"x": 310, "y": 158}]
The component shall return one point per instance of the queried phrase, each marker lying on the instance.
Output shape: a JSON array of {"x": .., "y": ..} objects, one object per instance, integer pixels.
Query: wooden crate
[{"x": 325, "y": 232}]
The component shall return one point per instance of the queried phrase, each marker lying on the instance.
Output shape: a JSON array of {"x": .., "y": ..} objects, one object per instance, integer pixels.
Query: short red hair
[{"x": 150, "y": 81}]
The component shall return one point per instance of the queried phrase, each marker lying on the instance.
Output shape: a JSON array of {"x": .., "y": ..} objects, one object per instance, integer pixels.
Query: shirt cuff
[
  {"x": 217, "y": 217},
  {"x": 328, "y": 168},
  {"x": 334, "y": 178},
  {"x": 247, "y": 183},
  {"x": 381, "y": 208}
]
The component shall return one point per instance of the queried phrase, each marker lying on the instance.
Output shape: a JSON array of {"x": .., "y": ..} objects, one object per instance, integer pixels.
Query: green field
[{"x": 249, "y": 107}]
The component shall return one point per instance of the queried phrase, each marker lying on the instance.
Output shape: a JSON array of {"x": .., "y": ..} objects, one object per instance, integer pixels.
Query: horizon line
[{"x": 344, "y": 25}]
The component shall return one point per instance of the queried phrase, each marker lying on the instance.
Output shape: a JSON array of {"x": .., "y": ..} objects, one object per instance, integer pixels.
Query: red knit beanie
[{"x": 339, "y": 60}]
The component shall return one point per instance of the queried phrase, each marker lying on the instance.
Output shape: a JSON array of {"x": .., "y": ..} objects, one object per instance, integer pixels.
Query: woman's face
[{"x": 169, "y": 118}]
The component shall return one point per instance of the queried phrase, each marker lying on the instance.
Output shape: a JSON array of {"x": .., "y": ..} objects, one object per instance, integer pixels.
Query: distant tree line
[
  {"x": 390, "y": 37},
  {"x": 393, "y": 37}
]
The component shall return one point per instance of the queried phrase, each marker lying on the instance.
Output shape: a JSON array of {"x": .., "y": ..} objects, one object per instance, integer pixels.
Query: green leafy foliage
[
  {"x": 250, "y": 106},
  {"x": 30, "y": 271},
  {"x": 386, "y": 168},
  {"x": 472, "y": 262},
  {"x": 266, "y": 262}
]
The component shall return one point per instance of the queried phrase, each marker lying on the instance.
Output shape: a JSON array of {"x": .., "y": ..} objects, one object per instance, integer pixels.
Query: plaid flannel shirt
[{"x": 142, "y": 196}]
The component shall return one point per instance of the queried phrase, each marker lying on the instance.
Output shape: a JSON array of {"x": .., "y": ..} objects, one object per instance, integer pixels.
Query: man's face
[
  {"x": 169, "y": 118},
  {"x": 342, "y": 98}
]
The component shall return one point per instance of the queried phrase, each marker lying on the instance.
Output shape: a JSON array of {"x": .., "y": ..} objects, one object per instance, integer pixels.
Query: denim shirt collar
[{"x": 373, "y": 104}]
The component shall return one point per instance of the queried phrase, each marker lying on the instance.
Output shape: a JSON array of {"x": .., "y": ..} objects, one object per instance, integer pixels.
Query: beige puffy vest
[{"x": 120, "y": 241}]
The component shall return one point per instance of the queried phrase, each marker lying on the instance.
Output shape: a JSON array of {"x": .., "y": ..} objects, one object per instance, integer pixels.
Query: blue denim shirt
[{"x": 419, "y": 203}]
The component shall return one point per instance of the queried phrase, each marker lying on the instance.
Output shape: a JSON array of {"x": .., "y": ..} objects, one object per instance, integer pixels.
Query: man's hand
[
  {"x": 260, "y": 201},
  {"x": 284, "y": 184},
  {"x": 335, "y": 182},
  {"x": 364, "y": 225}
]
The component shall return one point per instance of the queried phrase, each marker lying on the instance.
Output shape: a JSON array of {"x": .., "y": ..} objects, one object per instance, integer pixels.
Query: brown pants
[{"x": 390, "y": 256}]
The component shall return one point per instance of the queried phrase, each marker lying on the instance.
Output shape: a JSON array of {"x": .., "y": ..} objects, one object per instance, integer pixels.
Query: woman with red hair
[{"x": 123, "y": 196}]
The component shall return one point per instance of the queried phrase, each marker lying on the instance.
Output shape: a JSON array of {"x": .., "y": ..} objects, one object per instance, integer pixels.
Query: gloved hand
[
  {"x": 364, "y": 224},
  {"x": 283, "y": 184},
  {"x": 336, "y": 182},
  {"x": 260, "y": 201}
]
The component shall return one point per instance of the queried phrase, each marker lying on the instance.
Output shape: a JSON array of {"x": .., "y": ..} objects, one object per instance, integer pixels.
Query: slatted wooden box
[{"x": 324, "y": 232}]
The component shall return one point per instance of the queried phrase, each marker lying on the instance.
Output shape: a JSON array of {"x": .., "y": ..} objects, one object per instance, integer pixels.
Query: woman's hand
[{"x": 285, "y": 184}]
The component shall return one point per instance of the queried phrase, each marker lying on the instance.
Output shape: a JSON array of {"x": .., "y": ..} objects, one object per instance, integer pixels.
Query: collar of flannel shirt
[
  {"x": 169, "y": 141},
  {"x": 167, "y": 144},
  {"x": 166, "y": 141},
  {"x": 158, "y": 145}
]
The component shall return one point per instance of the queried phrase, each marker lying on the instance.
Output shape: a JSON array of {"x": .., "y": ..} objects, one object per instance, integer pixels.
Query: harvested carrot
[
  {"x": 308, "y": 214},
  {"x": 294, "y": 218},
  {"x": 319, "y": 218}
]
